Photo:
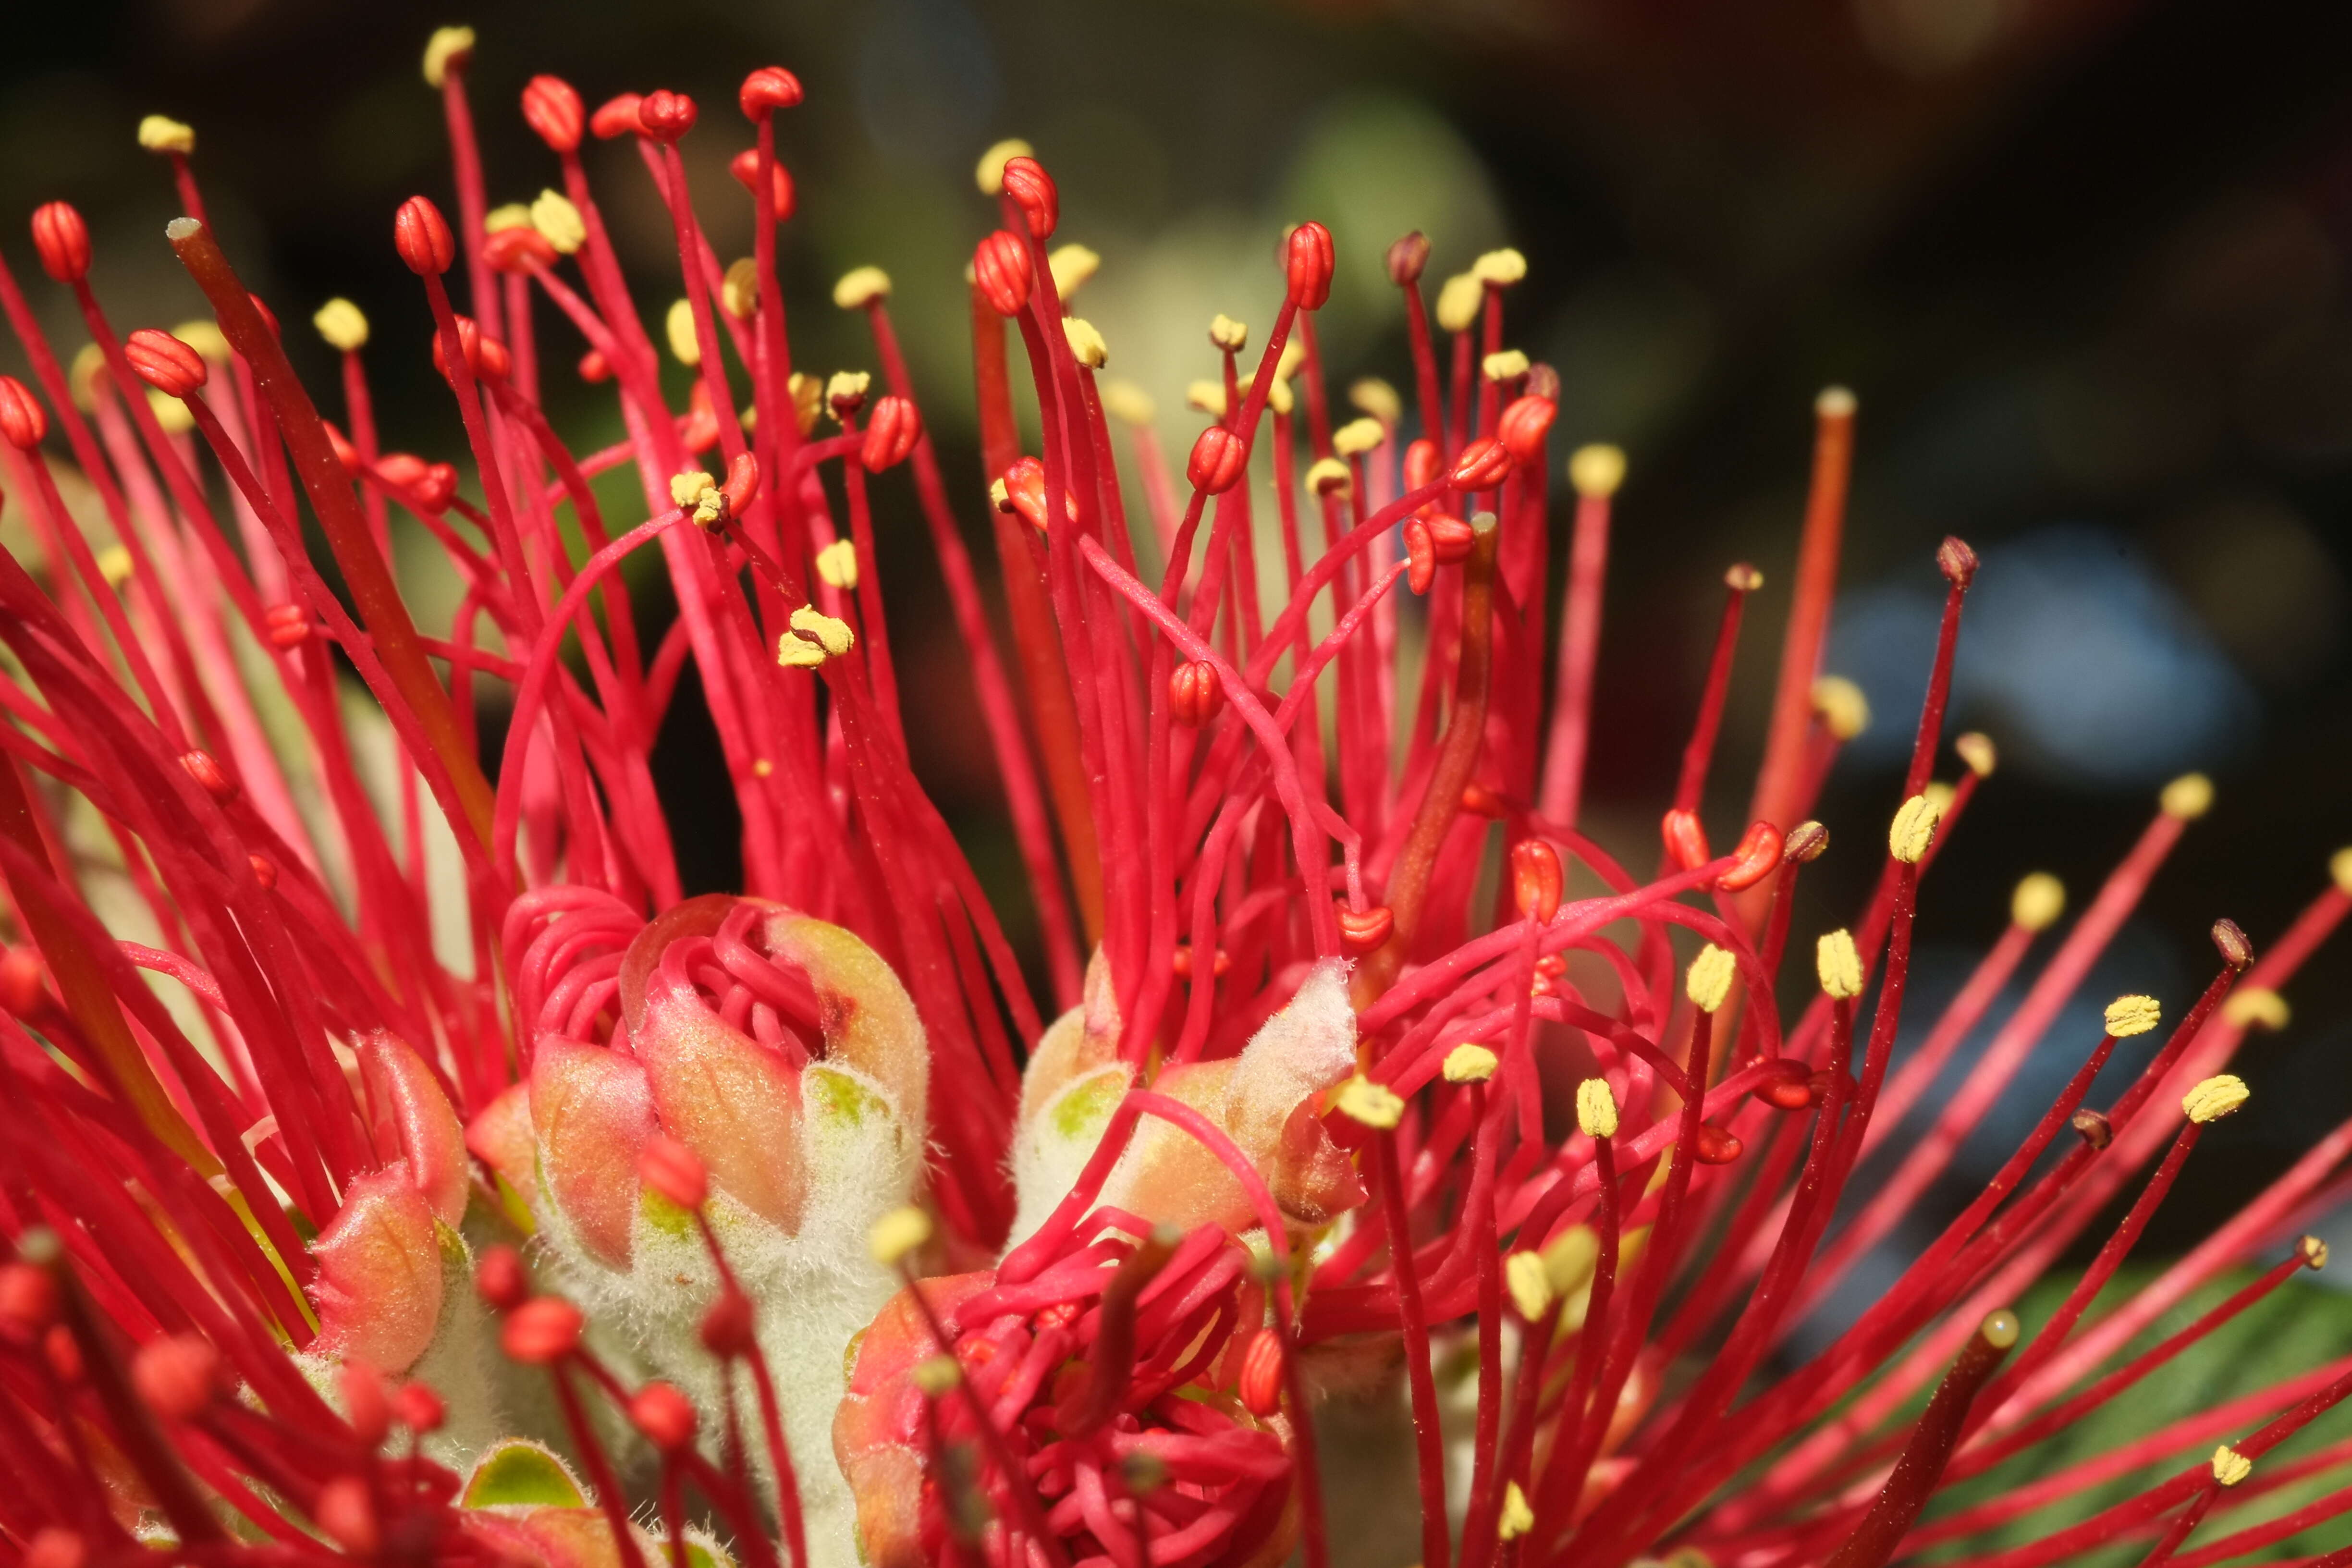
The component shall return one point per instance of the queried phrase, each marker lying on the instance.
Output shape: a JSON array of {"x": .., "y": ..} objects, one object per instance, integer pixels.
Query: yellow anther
[
  {"x": 114, "y": 564},
  {"x": 2314, "y": 1250},
  {"x": 1377, "y": 398},
  {"x": 991, "y": 172},
  {"x": 1516, "y": 1518},
  {"x": 343, "y": 324},
  {"x": 448, "y": 46},
  {"x": 936, "y": 1376},
  {"x": 1358, "y": 437},
  {"x": 559, "y": 222},
  {"x": 1326, "y": 475},
  {"x": 1835, "y": 402},
  {"x": 1288, "y": 362},
  {"x": 860, "y": 286},
  {"x": 1459, "y": 300},
  {"x": 836, "y": 564},
  {"x": 834, "y": 636},
  {"x": 171, "y": 412},
  {"x": 1500, "y": 267},
  {"x": 2339, "y": 871},
  {"x": 1976, "y": 748},
  {"x": 2187, "y": 797},
  {"x": 798, "y": 652},
  {"x": 1524, "y": 1276},
  {"x": 687, "y": 487},
  {"x": 2129, "y": 1015},
  {"x": 1597, "y": 470},
  {"x": 808, "y": 393},
  {"x": 1469, "y": 1064},
  {"x": 2230, "y": 1467},
  {"x": 1228, "y": 334},
  {"x": 1596, "y": 1108},
  {"x": 1844, "y": 710},
  {"x": 738, "y": 291},
  {"x": 2038, "y": 902},
  {"x": 1126, "y": 403},
  {"x": 1740, "y": 575},
  {"x": 1708, "y": 980},
  {"x": 1999, "y": 1328},
  {"x": 1279, "y": 398},
  {"x": 1087, "y": 345},
  {"x": 1503, "y": 364},
  {"x": 1570, "y": 1260},
  {"x": 897, "y": 1234},
  {"x": 999, "y": 496},
  {"x": 2215, "y": 1097},
  {"x": 81, "y": 380},
  {"x": 1838, "y": 965},
  {"x": 514, "y": 215},
  {"x": 1913, "y": 828},
  {"x": 2256, "y": 1007},
  {"x": 1071, "y": 266},
  {"x": 1941, "y": 795},
  {"x": 677, "y": 326},
  {"x": 763, "y": 768},
  {"x": 161, "y": 134},
  {"x": 1208, "y": 396},
  {"x": 1376, "y": 1105},
  {"x": 204, "y": 335},
  {"x": 845, "y": 391}
]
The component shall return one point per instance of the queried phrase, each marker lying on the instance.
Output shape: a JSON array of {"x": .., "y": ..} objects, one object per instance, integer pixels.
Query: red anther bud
[
  {"x": 766, "y": 90},
  {"x": 552, "y": 108},
  {"x": 891, "y": 431},
  {"x": 542, "y": 1331},
  {"x": 1407, "y": 257},
  {"x": 2236, "y": 948},
  {"x": 1787, "y": 1094},
  {"x": 1032, "y": 190},
  {"x": 206, "y": 769},
  {"x": 1545, "y": 984},
  {"x": 665, "y": 115},
  {"x": 178, "y": 1377},
  {"x": 673, "y": 1171},
  {"x": 1423, "y": 462},
  {"x": 745, "y": 167},
  {"x": 435, "y": 487},
  {"x": 1001, "y": 271},
  {"x": 64, "y": 1356},
  {"x": 1306, "y": 263},
  {"x": 594, "y": 368},
  {"x": 485, "y": 356},
  {"x": 422, "y": 237},
  {"x": 1553, "y": 965},
  {"x": 1686, "y": 841},
  {"x": 1180, "y": 964},
  {"x": 1714, "y": 1146},
  {"x": 28, "y": 1301},
  {"x": 1536, "y": 879},
  {"x": 345, "y": 1515},
  {"x": 20, "y": 981},
  {"x": 664, "y": 1415},
  {"x": 1261, "y": 1375},
  {"x": 727, "y": 1327},
  {"x": 417, "y": 1407},
  {"x": 367, "y": 1403},
  {"x": 742, "y": 486},
  {"x": 1482, "y": 466},
  {"x": 1758, "y": 854},
  {"x": 289, "y": 626},
  {"x": 1367, "y": 930},
  {"x": 23, "y": 420},
  {"x": 1450, "y": 539},
  {"x": 1524, "y": 425},
  {"x": 1024, "y": 487},
  {"x": 164, "y": 363},
  {"x": 500, "y": 1279},
  {"x": 518, "y": 249},
  {"x": 265, "y": 871},
  {"x": 616, "y": 117},
  {"x": 2093, "y": 1129},
  {"x": 1194, "y": 692},
  {"x": 1955, "y": 561},
  {"x": 1419, "y": 556},
  {"x": 345, "y": 453},
  {"x": 1218, "y": 459},
  {"x": 1480, "y": 801},
  {"x": 54, "y": 1546},
  {"x": 63, "y": 240}
]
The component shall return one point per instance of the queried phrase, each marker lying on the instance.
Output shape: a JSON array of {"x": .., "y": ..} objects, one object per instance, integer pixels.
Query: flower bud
[
  {"x": 1757, "y": 854},
  {"x": 1482, "y": 465},
  {"x": 1034, "y": 192},
  {"x": 1367, "y": 930},
  {"x": 1407, "y": 257},
  {"x": 1195, "y": 693},
  {"x": 1306, "y": 264},
  {"x": 673, "y": 1171},
  {"x": 23, "y": 420},
  {"x": 664, "y": 1415},
  {"x": 1421, "y": 556},
  {"x": 1686, "y": 841},
  {"x": 766, "y": 90},
  {"x": 890, "y": 434},
  {"x": 743, "y": 484},
  {"x": 177, "y": 1377},
  {"x": 616, "y": 117},
  {"x": 1524, "y": 424},
  {"x": 542, "y": 1331},
  {"x": 62, "y": 239},
  {"x": 1217, "y": 462},
  {"x": 1261, "y": 1375},
  {"x": 552, "y": 108},
  {"x": 1536, "y": 879},
  {"x": 745, "y": 167},
  {"x": 422, "y": 237},
  {"x": 1001, "y": 271},
  {"x": 665, "y": 115}
]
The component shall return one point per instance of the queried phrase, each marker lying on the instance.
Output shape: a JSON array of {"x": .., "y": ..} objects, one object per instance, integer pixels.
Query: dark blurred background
[{"x": 2084, "y": 261}]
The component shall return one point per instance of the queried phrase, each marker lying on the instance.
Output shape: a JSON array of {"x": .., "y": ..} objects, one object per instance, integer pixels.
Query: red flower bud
[
  {"x": 1423, "y": 463},
  {"x": 1757, "y": 852},
  {"x": 890, "y": 433},
  {"x": 1195, "y": 693},
  {"x": 1001, "y": 271},
  {"x": 742, "y": 486},
  {"x": 766, "y": 90},
  {"x": 727, "y": 1327},
  {"x": 1714, "y": 1146},
  {"x": 1419, "y": 556},
  {"x": 23, "y": 420},
  {"x": 518, "y": 249},
  {"x": 1524, "y": 425},
  {"x": 178, "y": 1376},
  {"x": 422, "y": 237},
  {"x": 367, "y": 1403},
  {"x": 594, "y": 368},
  {"x": 1407, "y": 257},
  {"x": 664, "y": 1415},
  {"x": 552, "y": 108},
  {"x": 346, "y": 1515},
  {"x": 616, "y": 117},
  {"x": 20, "y": 981},
  {"x": 1218, "y": 459},
  {"x": 417, "y": 1407},
  {"x": 500, "y": 1279},
  {"x": 1790, "y": 1089},
  {"x": 1306, "y": 263},
  {"x": 1686, "y": 841},
  {"x": 542, "y": 1331},
  {"x": 1367, "y": 931},
  {"x": 665, "y": 115},
  {"x": 1261, "y": 1375},
  {"x": 673, "y": 1171},
  {"x": 164, "y": 363},
  {"x": 1034, "y": 192},
  {"x": 745, "y": 167},
  {"x": 62, "y": 238},
  {"x": 1482, "y": 465},
  {"x": 1536, "y": 879},
  {"x": 206, "y": 769}
]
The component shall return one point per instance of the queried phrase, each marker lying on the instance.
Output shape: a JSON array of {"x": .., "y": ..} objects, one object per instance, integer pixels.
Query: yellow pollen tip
[
  {"x": 2129, "y": 1015},
  {"x": 448, "y": 46},
  {"x": 204, "y": 335},
  {"x": 897, "y": 1234},
  {"x": 1500, "y": 267},
  {"x": 836, "y": 564},
  {"x": 846, "y": 390},
  {"x": 1288, "y": 363},
  {"x": 1913, "y": 828},
  {"x": 1941, "y": 795},
  {"x": 687, "y": 487},
  {"x": 1279, "y": 398},
  {"x": 2038, "y": 902},
  {"x": 808, "y": 399},
  {"x": 738, "y": 288},
  {"x": 1000, "y": 494},
  {"x": 1327, "y": 475},
  {"x": 1835, "y": 402},
  {"x": 2230, "y": 1467},
  {"x": 833, "y": 635},
  {"x": 1469, "y": 1064},
  {"x": 2187, "y": 797},
  {"x": 798, "y": 652},
  {"x": 1596, "y": 1108},
  {"x": 1999, "y": 1329},
  {"x": 1838, "y": 965},
  {"x": 1743, "y": 577},
  {"x": 514, "y": 215},
  {"x": 343, "y": 324},
  {"x": 161, "y": 134},
  {"x": 1208, "y": 396},
  {"x": 2339, "y": 871},
  {"x": 1087, "y": 345},
  {"x": 1523, "y": 1276},
  {"x": 1709, "y": 981},
  {"x": 171, "y": 412},
  {"x": 2256, "y": 1007},
  {"x": 677, "y": 326},
  {"x": 114, "y": 564},
  {"x": 1844, "y": 710},
  {"x": 860, "y": 286},
  {"x": 89, "y": 364},
  {"x": 1375, "y": 1105},
  {"x": 990, "y": 172},
  {"x": 1503, "y": 364},
  {"x": 1976, "y": 748},
  {"x": 936, "y": 1376},
  {"x": 1516, "y": 1518},
  {"x": 559, "y": 222},
  {"x": 1228, "y": 334},
  {"x": 1071, "y": 266},
  {"x": 1459, "y": 300},
  {"x": 2314, "y": 1250},
  {"x": 1377, "y": 398},
  {"x": 2214, "y": 1099},
  {"x": 1358, "y": 437},
  {"x": 1126, "y": 403},
  {"x": 1597, "y": 470}
]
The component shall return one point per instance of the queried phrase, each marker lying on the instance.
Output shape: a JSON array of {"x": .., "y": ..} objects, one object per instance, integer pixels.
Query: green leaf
[{"x": 520, "y": 1471}]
